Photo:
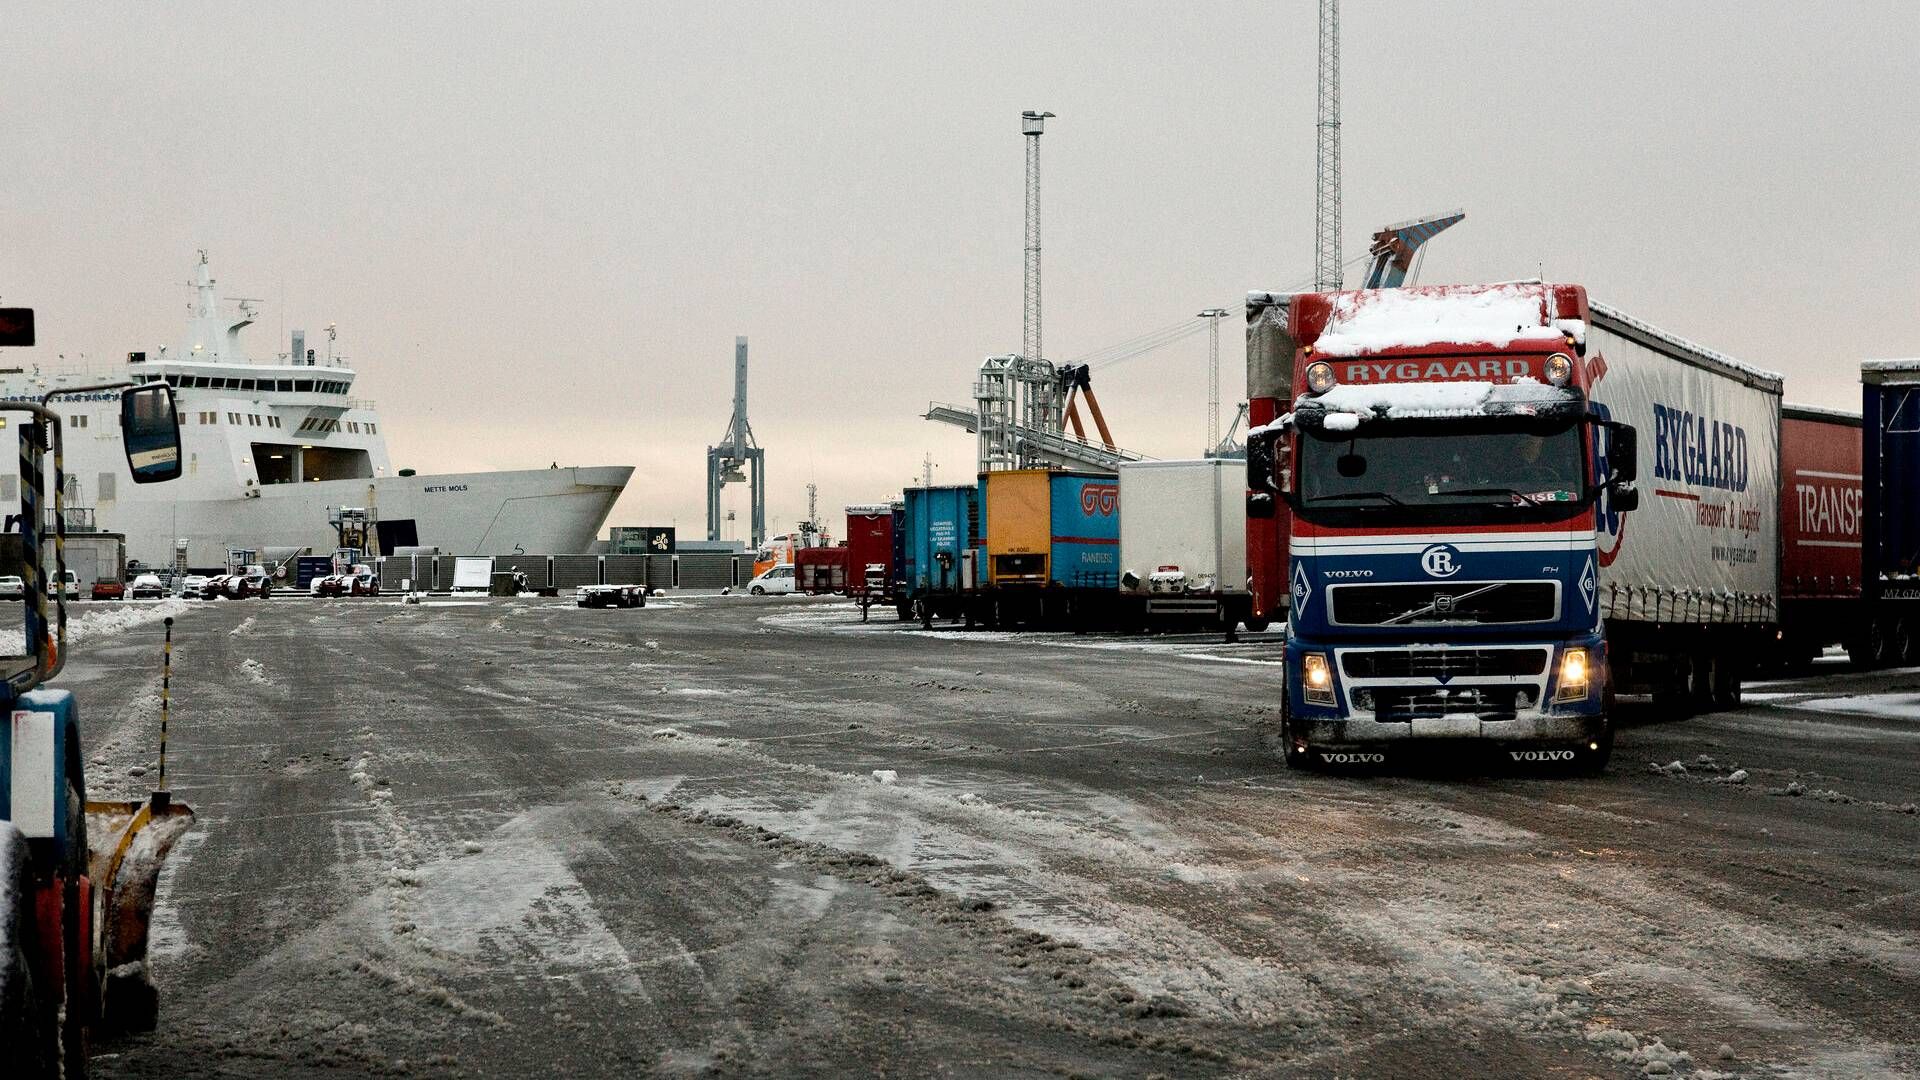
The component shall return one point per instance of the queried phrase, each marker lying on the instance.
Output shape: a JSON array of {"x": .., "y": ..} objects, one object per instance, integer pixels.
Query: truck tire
[
  {"x": 1294, "y": 749},
  {"x": 1703, "y": 675},
  {"x": 1727, "y": 676},
  {"x": 1257, "y": 626},
  {"x": 1905, "y": 646},
  {"x": 27, "y": 1026},
  {"x": 1672, "y": 693}
]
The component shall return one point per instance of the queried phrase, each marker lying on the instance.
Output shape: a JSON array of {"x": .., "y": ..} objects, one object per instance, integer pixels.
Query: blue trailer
[
  {"x": 1890, "y": 517},
  {"x": 940, "y": 539}
]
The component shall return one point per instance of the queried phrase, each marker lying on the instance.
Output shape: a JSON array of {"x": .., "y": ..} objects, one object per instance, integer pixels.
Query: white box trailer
[
  {"x": 1183, "y": 540},
  {"x": 1702, "y": 548}
]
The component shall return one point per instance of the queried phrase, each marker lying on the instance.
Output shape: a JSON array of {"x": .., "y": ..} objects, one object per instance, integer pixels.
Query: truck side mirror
[
  {"x": 1624, "y": 497},
  {"x": 150, "y": 430},
  {"x": 1623, "y": 455},
  {"x": 1260, "y": 472}
]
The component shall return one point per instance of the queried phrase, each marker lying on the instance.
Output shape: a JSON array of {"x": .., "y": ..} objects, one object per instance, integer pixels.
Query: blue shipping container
[
  {"x": 940, "y": 524},
  {"x": 1085, "y": 509}
]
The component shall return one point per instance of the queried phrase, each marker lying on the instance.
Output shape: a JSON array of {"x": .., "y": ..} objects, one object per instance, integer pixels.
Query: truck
[
  {"x": 1051, "y": 540},
  {"x": 1183, "y": 544},
  {"x": 77, "y": 875},
  {"x": 1470, "y": 554}
]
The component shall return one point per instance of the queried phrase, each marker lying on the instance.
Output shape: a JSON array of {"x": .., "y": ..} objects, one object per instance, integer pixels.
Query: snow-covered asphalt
[{"x": 734, "y": 836}]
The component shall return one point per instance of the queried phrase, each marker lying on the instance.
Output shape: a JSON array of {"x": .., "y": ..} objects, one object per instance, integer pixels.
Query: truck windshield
[{"x": 1439, "y": 469}]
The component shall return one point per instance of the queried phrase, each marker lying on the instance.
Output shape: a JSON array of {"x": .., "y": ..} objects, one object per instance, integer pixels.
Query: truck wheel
[
  {"x": 1726, "y": 683},
  {"x": 1879, "y": 643},
  {"x": 1704, "y": 676},
  {"x": 1672, "y": 695},
  {"x": 1294, "y": 748},
  {"x": 1905, "y": 646},
  {"x": 904, "y": 611},
  {"x": 1257, "y": 626},
  {"x": 27, "y": 1024}
]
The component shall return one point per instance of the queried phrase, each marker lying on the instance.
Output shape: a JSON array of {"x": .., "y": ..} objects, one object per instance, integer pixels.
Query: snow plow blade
[{"x": 127, "y": 844}]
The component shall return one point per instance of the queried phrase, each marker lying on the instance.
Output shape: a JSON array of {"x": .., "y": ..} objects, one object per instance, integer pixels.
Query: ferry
[{"x": 278, "y": 453}]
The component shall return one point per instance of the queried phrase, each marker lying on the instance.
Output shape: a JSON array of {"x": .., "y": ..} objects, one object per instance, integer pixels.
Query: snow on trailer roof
[
  {"x": 1815, "y": 412},
  {"x": 1899, "y": 372},
  {"x": 1619, "y": 322}
]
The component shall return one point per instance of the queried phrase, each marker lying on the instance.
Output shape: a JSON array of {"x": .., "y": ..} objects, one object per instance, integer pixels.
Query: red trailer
[
  {"x": 1821, "y": 602},
  {"x": 821, "y": 570},
  {"x": 870, "y": 561}
]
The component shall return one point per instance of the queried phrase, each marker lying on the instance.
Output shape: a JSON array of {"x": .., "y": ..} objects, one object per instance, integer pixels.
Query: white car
[
  {"x": 777, "y": 581},
  {"x": 12, "y": 588},
  {"x": 194, "y": 586},
  {"x": 72, "y": 583}
]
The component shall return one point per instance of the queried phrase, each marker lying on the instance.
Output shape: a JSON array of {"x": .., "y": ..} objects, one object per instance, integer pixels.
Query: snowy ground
[{"x": 754, "y": 837}]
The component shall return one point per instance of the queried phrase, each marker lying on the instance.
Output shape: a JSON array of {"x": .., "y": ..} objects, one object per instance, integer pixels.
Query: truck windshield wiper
[
  {"x": 1528, "y": 499},
  {"x": 1358, "y": 495}
]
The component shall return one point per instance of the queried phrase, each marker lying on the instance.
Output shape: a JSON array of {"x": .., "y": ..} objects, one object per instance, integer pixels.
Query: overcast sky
[{"x": 540, "y": 226}]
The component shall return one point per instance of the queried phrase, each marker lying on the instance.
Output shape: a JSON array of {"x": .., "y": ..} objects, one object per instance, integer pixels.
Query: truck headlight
[
  {"x": 1574, "y": 676},
  {"x": 1320, "y": 377},
  {"x": 1559, "y": 369},
  {"x": 1316, "y": 679}
]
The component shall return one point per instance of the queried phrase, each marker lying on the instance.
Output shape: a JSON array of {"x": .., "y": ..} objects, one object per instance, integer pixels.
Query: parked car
[
  {"x": 71, "y": 581},
  {"x": 778, "y": 581},
  {"x": 109, "y": 590},
  {"x": 147, "y": 587},
  {"x": 12, "y": 588},
  {"x": 194, "y": 586},
  {"x": 610, "y": 596}
]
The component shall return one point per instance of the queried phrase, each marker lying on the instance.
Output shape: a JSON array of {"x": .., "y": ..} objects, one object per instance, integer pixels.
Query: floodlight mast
[{"x": 1213, "y": 317}]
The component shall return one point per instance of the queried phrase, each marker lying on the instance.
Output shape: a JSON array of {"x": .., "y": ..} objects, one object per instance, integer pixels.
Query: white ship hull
[
  {"x": 269, "y": 447},
  {"x": 479, "y": 513}
]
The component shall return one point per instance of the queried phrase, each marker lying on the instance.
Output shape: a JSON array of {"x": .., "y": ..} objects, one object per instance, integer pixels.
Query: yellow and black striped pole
[{"x": 166, "y": 681}]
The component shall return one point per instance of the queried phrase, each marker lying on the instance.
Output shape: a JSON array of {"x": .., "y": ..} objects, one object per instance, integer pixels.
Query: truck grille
[
  {"x": 1451, "y": 603},
  {"x": 1486, "y": 702},
  {"x": 1443, "y": 663}
]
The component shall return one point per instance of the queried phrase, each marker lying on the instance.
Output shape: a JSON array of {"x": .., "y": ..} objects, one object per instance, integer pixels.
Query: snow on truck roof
[
  {"x": 1346, "y": 405},
  {"x": 1370, "y": 320},
  {"x": 1500, "y": 314}
]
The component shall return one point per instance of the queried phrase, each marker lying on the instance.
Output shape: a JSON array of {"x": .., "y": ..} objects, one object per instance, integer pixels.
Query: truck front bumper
[{"x": 1500, "y": 692}]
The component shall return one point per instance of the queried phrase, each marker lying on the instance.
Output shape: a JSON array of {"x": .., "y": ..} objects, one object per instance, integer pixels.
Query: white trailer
[{"x": 1183, "y": 541}]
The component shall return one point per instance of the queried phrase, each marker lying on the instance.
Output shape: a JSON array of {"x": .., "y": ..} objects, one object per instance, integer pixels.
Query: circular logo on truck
[{"x": 1440, "y": 560}]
